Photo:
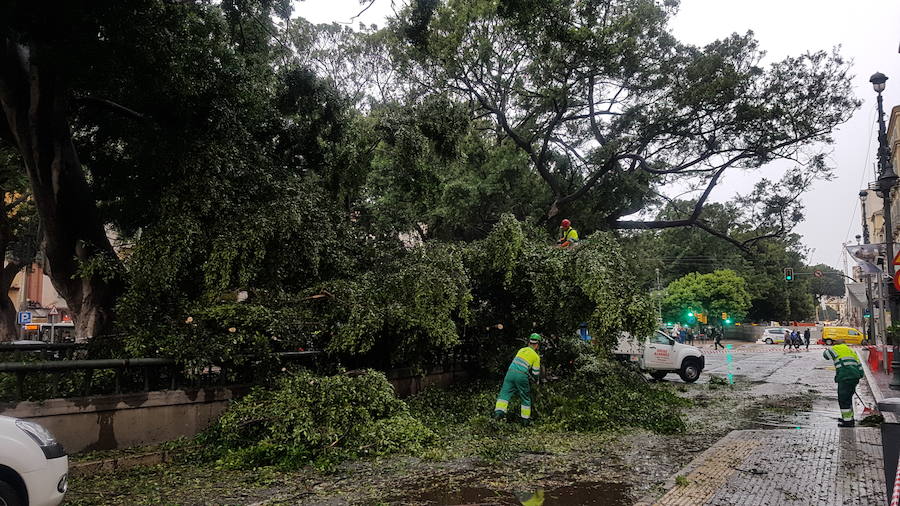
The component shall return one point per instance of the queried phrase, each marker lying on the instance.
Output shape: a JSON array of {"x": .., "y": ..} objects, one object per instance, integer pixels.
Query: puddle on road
[
  {"x": 822, "y": 413},
  {"x": 586, "y": 493}
]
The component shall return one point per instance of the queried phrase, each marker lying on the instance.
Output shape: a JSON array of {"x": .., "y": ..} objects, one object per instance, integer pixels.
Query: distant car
[
  {"x": 34, "y": 468},
  {"x": 773, "y": 335},
  {"x": 846, "y": 335}
]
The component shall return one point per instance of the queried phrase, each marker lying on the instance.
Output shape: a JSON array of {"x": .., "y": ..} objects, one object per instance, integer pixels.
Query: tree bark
[
  {"x": 34, "y": 98},
  {"x": 9, "y": 327}
]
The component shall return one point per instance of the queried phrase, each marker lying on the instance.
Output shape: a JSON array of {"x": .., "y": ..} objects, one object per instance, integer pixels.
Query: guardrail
[{"x": 149, "y": 368}]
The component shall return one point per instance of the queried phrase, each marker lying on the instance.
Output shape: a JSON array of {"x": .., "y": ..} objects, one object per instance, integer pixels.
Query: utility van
[
  {"x": 846, "y": 335},
  {"x": 659, "y": 354}
]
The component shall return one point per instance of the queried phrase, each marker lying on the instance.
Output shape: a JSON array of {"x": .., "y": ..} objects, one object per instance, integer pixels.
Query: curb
[{"x": 873, "y": 385}]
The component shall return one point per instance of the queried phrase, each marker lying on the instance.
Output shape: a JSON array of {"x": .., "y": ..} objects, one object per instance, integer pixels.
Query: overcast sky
[{"x": 868, "y": 32}]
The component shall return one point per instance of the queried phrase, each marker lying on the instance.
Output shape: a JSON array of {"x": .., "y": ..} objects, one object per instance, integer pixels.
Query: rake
[{"x": 867, "y": 410}]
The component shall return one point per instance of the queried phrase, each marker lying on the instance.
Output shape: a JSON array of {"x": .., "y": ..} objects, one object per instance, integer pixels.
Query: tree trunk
[
  {"x": 9, "y": 327},
  {"x": 34, "y": 97}
]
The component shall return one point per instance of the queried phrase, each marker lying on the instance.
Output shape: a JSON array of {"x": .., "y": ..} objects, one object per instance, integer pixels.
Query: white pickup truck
[{"x": 659, "y": 355}]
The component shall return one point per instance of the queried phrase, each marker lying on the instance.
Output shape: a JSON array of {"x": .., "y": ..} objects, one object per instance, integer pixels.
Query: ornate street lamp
[
  {"x": 870, "y": 321},
  {"x": 887, "y": 179},
  {"x": 863, "y": 196}
]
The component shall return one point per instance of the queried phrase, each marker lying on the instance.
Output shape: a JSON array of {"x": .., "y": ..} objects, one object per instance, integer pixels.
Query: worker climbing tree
[
  {"x": 847, "y": 373},
  {"x": 525, "y": 367},
  {"x": 568, "y": 236}
]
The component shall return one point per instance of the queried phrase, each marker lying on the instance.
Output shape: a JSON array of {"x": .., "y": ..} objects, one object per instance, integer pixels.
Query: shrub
[
  {"x": 598, "y": 395},
  {"x": 316, "y": 419},
  {"x": 602, "y": 394}
]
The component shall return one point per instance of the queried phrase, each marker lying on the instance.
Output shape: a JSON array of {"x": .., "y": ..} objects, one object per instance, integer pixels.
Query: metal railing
[{"x": 147, "y": 372}]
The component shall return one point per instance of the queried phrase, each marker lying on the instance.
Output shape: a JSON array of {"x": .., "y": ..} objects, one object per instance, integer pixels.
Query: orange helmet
[{"x": 566, "y": 223}]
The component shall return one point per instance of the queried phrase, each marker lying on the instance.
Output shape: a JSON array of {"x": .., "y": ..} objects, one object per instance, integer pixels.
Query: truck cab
[{"x": 659, "y": 354}]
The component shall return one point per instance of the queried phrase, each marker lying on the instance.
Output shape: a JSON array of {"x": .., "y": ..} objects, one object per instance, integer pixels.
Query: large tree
[
  {"x": 110, "y": 105},
  {"x": 716, "y": 293},
  {"x": 610, "y": 107}
]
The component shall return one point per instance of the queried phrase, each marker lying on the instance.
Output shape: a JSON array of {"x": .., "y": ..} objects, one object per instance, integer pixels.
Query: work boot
[
  {"x": 846, "y": 423},
  {"x": 499, "y": 415},
  {"x": 526, "y": 422}
]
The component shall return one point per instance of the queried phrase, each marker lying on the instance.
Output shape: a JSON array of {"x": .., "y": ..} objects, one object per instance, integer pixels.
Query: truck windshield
[{"x": 660, "y": 338}]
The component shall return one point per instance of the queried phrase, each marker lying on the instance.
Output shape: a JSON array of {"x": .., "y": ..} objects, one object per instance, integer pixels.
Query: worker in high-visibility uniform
[
  {"x": 535, "y": 498},
  {"x": 568, "y": 236},
  {"x": 847, "y": 373},
  {"x": 525, "y": 367}
]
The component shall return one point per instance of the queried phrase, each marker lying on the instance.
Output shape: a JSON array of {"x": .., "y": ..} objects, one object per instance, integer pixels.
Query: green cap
[{"x": 534, "y": 338}]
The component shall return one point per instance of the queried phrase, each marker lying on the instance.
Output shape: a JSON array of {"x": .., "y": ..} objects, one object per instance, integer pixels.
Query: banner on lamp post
[{"x": 867, "y": 256}]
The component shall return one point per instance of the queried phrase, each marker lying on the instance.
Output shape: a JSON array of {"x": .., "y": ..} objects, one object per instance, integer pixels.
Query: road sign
[
  {"x": 817, "y": 273},
  {"x": 23, "y": 317},
  {"x": 53, "y": 310}
]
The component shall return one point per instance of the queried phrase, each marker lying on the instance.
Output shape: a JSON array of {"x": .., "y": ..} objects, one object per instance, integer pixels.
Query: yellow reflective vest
[
  {"x": 526, "y": 360},
  {"x": 846, "y": 363},
  {"x": 570, "y": 235}
]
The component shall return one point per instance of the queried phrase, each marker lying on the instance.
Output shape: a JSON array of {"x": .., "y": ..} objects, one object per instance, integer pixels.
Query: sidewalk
[
  {"x": 747, "y": 467},
  {"x": 817, "y": 464}
]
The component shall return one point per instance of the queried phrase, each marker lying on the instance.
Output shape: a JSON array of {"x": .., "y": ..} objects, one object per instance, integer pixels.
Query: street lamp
[
  {"x": 887, "y": 179},
  {"x": 863, "y": 196}
]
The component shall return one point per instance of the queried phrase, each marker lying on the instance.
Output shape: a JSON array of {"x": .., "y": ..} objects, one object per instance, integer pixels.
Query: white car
[
  {"x": 773, "y": 335},
  {"x": 34, "y": 468}
]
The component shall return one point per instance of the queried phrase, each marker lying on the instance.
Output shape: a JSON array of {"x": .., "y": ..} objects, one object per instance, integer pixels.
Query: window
[
  {"x": 660, "y": 338},
  {"x": 853, "y": 333}
]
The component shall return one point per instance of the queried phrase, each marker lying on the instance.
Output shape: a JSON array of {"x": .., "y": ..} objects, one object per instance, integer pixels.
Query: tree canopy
[
  {"x": 715, "y": 293},
  {"x": 386, "y": 194}
]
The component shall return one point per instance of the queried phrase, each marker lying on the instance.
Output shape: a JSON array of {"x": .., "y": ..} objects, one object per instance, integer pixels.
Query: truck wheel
[
  {"x": 690, "y": 371},
  {"x": 768, "y": 340},
  {"x": 8, "y": 495},
  {"x": 658, "y": 375},
  {"x": 829, "y": 342}
]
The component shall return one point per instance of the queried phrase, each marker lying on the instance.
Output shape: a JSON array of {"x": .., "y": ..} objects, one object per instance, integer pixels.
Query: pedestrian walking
[
  {"x": 525, "y": 367},
  {"x": 787, "y": 340},
  {"x": 806, "y": 335},
  {"x": 690, "y": 337},
  {"x": 718, "y": 335},
  {"x": 682, "y": 335},
  {"x": 798, "y": 340},
  {"x": 847, "y": 373}
]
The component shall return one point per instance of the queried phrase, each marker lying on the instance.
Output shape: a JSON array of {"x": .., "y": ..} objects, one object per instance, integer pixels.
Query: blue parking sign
[{"x": 24, "y": 317}]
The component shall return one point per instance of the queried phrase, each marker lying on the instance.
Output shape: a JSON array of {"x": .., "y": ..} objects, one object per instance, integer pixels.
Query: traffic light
[
  {"x": 788, "y": 274},
  {"x": 724, "y": 316},
  {"x": 728, "y": 321}
]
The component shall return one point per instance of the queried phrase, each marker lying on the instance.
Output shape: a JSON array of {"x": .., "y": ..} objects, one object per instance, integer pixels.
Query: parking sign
[{"x": 24, "y": 317}]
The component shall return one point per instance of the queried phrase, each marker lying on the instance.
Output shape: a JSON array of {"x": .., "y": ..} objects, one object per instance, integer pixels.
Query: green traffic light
[
  {"x": 690, "y": 314},
  {"x": 727, "y": 321}
]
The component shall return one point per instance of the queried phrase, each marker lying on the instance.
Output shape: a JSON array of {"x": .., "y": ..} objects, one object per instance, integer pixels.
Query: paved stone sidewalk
[{"x": 822, "y": 466}]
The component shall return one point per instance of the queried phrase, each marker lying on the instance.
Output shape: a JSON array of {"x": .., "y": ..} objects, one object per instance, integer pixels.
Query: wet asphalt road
[{"x": 772, "y": 372}]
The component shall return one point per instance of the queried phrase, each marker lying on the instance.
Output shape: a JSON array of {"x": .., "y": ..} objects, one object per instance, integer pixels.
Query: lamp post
[
  {"x": 887, "y": 178},
  {"x": 863, "y": 195}
]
